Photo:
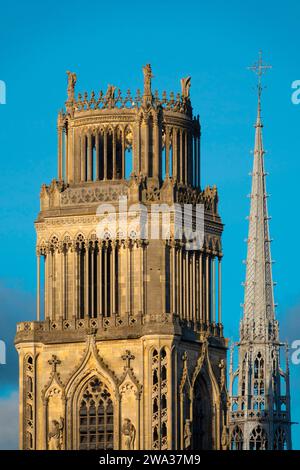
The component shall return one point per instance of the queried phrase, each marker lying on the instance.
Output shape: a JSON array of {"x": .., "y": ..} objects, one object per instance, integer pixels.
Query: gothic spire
[
  {"x": 259, "y": 417},
  {"x": 258, "y": 318}
]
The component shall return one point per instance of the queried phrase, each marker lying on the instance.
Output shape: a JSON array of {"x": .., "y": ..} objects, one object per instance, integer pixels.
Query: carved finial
[
  {"x": 147, "y": 84},
  {"x": 72, "y": 78},
  {"x": 128, "y": 357},
  {"x": 185, "y": 87}
]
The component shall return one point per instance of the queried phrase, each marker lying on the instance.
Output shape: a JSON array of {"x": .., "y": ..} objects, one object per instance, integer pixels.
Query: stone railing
[
  {"x": 103, "y": 323},
  {"x": 113, "y": 99}
]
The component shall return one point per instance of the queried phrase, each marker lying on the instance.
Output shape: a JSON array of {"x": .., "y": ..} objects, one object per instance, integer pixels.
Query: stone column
[
  {"x": 195, "y": 162},
  {"x": 167, "y": 147},
  {"x": 141, "y": 247},
  {"x": 207, "y": 288},
  {"x": 130, "y": 277},
  {"x": 187, "y": 286},
  {"x": 99, "y": 277},
  {"x": 201, "y": 319},
  {"x": 198, "y": 160},
  {"x": 86, "y": 280},
  {"x": 46, "y": 284},
  {"x": 50, "y": 284},
  {"x": 62, "y": 282},
  {"x": 97, "y": 166},
  {"x": 220, "y": 290},
  {"x": 83, "y": 158},
  {"x": 67, "y": 154},
  {"x": 185, "y": 157},
  {"x": 105, "y": 254},
  {"x": 174, "y": 277},
  {"x": 181, "y": 155},
  {"x": 180, "y": 282},
  {"x": 105, "y": 155},
  {"x": 114, "y": 175},
  {"x": 213, "y": 282},
  {"x": 123, "y": 153},
  {"x": 92, "y": 281},
  {"x": 90, "y": 157},
  {"x": 60, "y": 151},
  {"x": 38, "y": 287},
  {"x": 128, "y": 270},
  {"x": 75, "y": 285},
  {"x": 146, "y": 147},
  {"x": 194, "y": 293},
  {"x": 156, "y": 156},
  {"x": 175, "y": 154},
  {"x": 113, "y": 276}
]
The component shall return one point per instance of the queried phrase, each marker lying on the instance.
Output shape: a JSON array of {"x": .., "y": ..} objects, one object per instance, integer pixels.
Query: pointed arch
[
  {"x": 258, "y": 439},
  {"x": 280, "y": 439},
  {"x": 237, "y": 439},
  {"x": 92, "y": 369},
  {"x": 206, "y": 405}
]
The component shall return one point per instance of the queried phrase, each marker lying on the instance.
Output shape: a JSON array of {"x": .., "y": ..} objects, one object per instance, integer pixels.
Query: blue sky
[{"x": 108, "y": 42}]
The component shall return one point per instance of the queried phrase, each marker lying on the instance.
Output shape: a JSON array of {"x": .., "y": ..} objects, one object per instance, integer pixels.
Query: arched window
[
  {"x": 202, "y": 414},
  {"x": 96, "y": 417},
  {"x": 258, "y": 439},
  {"x": 237, "y": 440},
  {"x": 280, "y": 439},
  {"x": 259, "y": 367}
]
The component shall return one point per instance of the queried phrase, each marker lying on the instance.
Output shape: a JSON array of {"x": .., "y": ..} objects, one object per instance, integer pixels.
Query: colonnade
[
  {"x": 196, "y": 285},
  {"x": 102, "y": 278},
  {"x": 182, "y": 155},
  {"x": 88, "y": 154},
  {"x": 81, "y": 280}
]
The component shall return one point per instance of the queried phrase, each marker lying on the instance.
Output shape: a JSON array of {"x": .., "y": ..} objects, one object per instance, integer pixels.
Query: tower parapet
[{"x": 96, "y": 134}]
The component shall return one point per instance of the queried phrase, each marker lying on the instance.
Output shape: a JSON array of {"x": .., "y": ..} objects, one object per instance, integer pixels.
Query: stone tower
[
  {"x": 259, "y": 415},
  {"x": 127, "y": 351}
]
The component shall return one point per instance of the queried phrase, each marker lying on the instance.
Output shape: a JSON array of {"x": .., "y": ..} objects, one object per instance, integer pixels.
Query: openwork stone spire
[
  {"x": 259, "y": 417},
  {"x": 258, "y": 320}
]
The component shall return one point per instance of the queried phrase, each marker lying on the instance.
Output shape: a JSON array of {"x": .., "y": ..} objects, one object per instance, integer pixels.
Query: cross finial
[
  {"x": 128, "y": 357},
  {"x": 54, "y": 362},
  {"x": 259, "y": 68}
]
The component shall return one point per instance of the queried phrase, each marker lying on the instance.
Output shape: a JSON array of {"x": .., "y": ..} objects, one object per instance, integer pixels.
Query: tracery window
[
  {"x": 280, "y": 439},
  {"x": 258, "y": 439},
  {"x": 259, "y": 367},
  {"x": 159, "y": 399},
  {"x": 96, "y": 416},
  {"x": 237, "y": 439}
]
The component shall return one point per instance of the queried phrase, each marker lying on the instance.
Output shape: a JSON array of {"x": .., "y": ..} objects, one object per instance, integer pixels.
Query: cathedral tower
[
  {"x": 259, "y": 415},
  {"x": 127, "y": 351}
]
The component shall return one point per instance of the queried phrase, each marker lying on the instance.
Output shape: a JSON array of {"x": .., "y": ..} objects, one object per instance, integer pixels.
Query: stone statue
[
  {"x": 55, "y": 437},
  {"x": 185, "y": 87},
  {"x": 110, "y": 94},
  {"x": 225, "y": 438},
  {"x": 128, "y": 431},
  {"x": 222, "y": 374},
  {"x": 72, "y": 78},
  {"x": 147, "y": 80},
  {"x": 187, "y": 434}
]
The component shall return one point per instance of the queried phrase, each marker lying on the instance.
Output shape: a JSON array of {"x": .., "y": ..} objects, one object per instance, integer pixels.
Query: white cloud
[{"x": 9, "y": 421}]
